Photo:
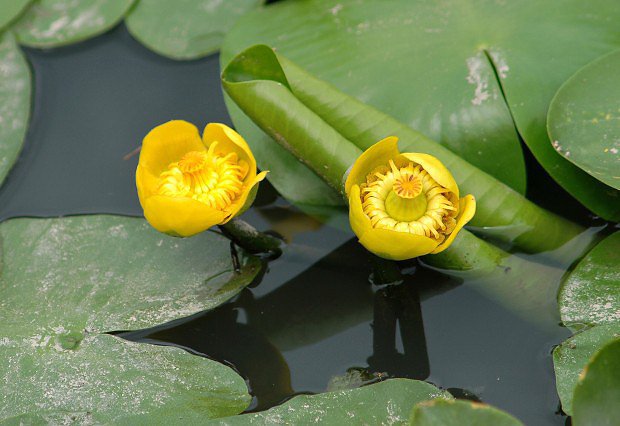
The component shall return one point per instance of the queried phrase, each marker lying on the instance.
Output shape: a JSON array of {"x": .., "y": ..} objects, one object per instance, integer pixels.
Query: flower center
[
  {"x": 408, "y": 199},
  {"x": 211, "y": 177}
]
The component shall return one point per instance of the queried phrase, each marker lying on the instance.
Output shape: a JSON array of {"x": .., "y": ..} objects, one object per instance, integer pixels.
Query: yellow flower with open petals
[
  {"x": 404, "y": 205},
  {"x": 187, "y": 184}
]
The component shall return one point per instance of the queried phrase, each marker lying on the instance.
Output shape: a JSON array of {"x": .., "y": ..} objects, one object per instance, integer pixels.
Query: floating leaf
[
  {"x": 14, "y": 102},
  {"x": 598, "y": 392},
  {"x": 459, "y": 413},
  {"x": 591, "y": 293},
  {"x": 387, "y": 402},
  {"x": 185, "y": 29},
  {"x": 433, "y": 65},
  {"x": 11, "y": 9},
  {"x": 111, "y": 273},
  {"x": 110, "y": 380},
  {"x": 584, "y": 119},
  {"x": 570, "y": 358},
  {"x": 66, "y": 280},
  {"x": 53, "y": 23}
]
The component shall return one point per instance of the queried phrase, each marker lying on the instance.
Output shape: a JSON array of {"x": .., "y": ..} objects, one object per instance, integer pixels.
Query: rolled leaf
[{"x": 327, "y": 130}]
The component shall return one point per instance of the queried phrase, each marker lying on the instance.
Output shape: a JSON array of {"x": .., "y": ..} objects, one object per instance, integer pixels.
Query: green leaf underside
[
  {"x": 596, "y": 396},
  {"x": 185, "y": 29},
  {"x": 427, "y": 65},
  {"x": 11, "y": 9},
  {"x": 65, "y": 280},
  {"x": 590, "y": 295},
  {"x": 570, "y": 358},
  {"x": 584, "y": 119},
  {"x": 459, "y": 413},
  {"x": 388, "y": 402},
  {"x": 15, "y": 89},
  {"x": 53, "y": 23},
  {"x": 110, "y": 380}
]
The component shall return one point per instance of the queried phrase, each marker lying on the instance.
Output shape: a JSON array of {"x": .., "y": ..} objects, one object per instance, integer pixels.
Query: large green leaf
[
  {"x": 591, "y": 293},
  {"x": 459, "y": 413},
  {"x": 570, "y": 358},
  {"x": 52, "y": 23},
  {"x": 431, "y": 65},
  {"x": 185, "y": 29},
  {"x": 388, "y": 402},
  {"x": 584, "y": 119},
  {"x": 65, "y": 281},
  {"x": 598, "y": 393},
  {"x": 326, "y": 130},
  {"x": 110, "y": 380},
  {"x": 14, "y": 102},
  {"x": 105, "y": 273},
  {"x": 11, "y": 9}
]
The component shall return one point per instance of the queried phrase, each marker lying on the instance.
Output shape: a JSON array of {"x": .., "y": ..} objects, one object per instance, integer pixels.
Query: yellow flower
[
  {"x": 187, "y": 184},
  {"x": 404, "y": 205}
]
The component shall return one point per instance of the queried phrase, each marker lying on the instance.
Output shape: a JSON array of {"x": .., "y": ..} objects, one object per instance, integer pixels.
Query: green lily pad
[
  {"x": 433, "y": 66},
  {"x": 11, "y": 9},
  {"x": 53, "y": 23},
  {"x": 185, "y": 29},
  {"x": 65, "y": 281},
  {"x": 111, "y": 273},
  {"x": 14, "y": 102},
  {"x": 590, "y": 294},
  {"x": 597, "y": 394},
  {"x": 387, "y": 402},
  {"x": 570, "y": 358},
  {"x": 459, "y": 413},
  {"x": 110, "y": 380},
  {"x": 584, "y": 119}
]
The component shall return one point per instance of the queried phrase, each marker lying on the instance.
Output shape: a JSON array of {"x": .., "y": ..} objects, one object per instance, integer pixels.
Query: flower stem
[{"x": 250, "y": 239}]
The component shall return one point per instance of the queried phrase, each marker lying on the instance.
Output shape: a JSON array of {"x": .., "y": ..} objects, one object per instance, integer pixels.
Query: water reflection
[{"x": 254, "y": 334}]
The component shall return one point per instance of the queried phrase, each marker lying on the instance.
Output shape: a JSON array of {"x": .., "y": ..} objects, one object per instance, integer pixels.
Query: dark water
[{"x": 314, "y": 314}]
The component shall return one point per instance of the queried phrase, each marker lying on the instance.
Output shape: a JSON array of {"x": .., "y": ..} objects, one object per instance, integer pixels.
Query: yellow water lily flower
[
  {"x": 404, "y": 205},
  {"x": 187, "y": 184}
]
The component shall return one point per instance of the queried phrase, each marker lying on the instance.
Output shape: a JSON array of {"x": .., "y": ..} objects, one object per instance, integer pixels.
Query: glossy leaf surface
[
  {"x": 459, "y": 413},
  {"x": 65, "y": 281},
  {"x": 53, "y": 23},
  {"x": 597, "y": 394},
  {"x": 584, "y": 119},
  {"x": 388, "y": 402},
  {"x": 107, "y": 380},
  {"x": 570, "y": 358},
  {"x": 185, "y": 29},
  {"x": 11, "y": 9},
  {"x": 14, "y": 102},
  {"x": 433, "y": 66},
  {"x": 590, "y": 295}
]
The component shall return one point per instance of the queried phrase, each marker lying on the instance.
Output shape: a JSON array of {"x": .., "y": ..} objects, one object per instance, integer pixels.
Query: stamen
[
  {"x": 408, "y": 199},
  {"x": 210, "y": 177}
]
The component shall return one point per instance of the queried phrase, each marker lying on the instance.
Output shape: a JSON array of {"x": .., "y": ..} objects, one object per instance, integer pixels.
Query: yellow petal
[
  {"x": 377, "y": 155},
  {"x": 360, "y": 223},
  {"x": 396, "y": 245},
  {"x": 246, "y": 198},
  {"x": 230, "y": 141},
  {"x": 435, "y": 168},
  {"x": 384, "y": 242},
  {"x": 180, "y": 216},
  {"x": 167, "y": 143},
  {"x": 467, "y": 209}
]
